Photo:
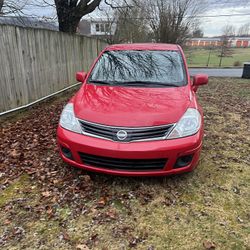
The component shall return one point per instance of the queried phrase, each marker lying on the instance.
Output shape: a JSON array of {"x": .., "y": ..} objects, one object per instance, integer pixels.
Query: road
[{"x": 217, "y": 72}]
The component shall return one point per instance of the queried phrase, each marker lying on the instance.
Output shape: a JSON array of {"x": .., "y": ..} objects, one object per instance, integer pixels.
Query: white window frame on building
[{"x": 102, "y": 28}]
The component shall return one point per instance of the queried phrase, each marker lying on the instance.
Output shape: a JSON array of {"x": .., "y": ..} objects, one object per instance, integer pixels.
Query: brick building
[{"x": 234, "y": 42}]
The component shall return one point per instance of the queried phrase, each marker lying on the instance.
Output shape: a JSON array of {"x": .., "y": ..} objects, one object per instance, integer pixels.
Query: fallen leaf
[
  {"x": 209, "y": 245},
  {"x": 14, "y": 153},
  {"x": 112, "y": 214},
  {"x": 7, "y": 222},
  {"x": 66, "y": 236},
  {"x": 46, "y": 194},
  {"x": 49, "y": 211},
  {"x": 82, "y": 247},
  {"x": 102, "y": 202}
]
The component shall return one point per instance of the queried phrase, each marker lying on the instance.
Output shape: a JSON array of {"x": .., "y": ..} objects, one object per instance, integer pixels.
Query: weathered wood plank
[{"x": 35, "y": 63}]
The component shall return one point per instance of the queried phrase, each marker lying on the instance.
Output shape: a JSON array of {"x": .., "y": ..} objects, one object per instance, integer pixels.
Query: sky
[{"x": 211, "y": 26}]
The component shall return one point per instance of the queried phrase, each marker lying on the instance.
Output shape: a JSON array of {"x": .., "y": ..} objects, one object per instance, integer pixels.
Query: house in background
[
  {"x": 99, "y": 28},
  {"x": 29, "y": 22}
]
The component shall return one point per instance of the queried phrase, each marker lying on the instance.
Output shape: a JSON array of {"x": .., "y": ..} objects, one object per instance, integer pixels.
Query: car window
[{"x": 144, "y": 67}]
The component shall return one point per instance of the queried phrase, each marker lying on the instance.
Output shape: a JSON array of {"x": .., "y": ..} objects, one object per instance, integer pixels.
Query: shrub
[{"x": 237, "y": 63}]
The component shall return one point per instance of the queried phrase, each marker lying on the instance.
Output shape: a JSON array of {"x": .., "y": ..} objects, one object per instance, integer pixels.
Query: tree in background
[
  {"x": 167, "y": 21},
  {"x": 12, "y": 6},
  {"x": 197, "y": 32},
  {"x": 244, "y": 30},
  {"x": 70, "y": 12},
  {"x": 1, "y": 6},
  {"x": 129, "y": 22},
  {"x": 111, "y": 22},
  {"x": 131, "y": 27},
  {"x": 172, "y": 21},
  {"x": 228, "y": 31}
]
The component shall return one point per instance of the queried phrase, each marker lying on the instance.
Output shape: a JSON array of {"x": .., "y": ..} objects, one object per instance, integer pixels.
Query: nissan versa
[{"x": 136, "y": 113}]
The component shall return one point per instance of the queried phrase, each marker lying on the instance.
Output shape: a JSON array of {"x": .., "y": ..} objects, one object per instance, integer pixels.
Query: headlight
[
  {"x": 68, "y": 119},
  {"x": 188, "y": 125}
]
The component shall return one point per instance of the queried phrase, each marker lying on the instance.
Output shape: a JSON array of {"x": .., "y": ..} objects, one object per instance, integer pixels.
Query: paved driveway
[{"x": 217, "y": 72}]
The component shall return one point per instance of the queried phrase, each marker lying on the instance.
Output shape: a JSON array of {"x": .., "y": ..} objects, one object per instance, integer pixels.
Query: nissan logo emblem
[{"x": 121, "y": 135}]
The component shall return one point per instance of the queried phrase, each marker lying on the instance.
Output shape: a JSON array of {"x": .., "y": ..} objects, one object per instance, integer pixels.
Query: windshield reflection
[{"x": 144, "y": 67}]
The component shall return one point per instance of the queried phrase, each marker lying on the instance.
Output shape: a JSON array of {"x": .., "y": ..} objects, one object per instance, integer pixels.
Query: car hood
[{"x": 130, "y": 106}]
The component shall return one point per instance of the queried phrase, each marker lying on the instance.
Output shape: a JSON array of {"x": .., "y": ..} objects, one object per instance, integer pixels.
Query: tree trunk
[
  {"x": 68, "y": 19},
  {"x": 1, "y": 5},
  {"x": 221, "y": 56},
  {"x": 70, "y": 12},
  {"x": 69, "y": 25}
]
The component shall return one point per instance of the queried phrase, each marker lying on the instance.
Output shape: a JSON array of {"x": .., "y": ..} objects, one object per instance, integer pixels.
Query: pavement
[{"x": 228, "y": 72}]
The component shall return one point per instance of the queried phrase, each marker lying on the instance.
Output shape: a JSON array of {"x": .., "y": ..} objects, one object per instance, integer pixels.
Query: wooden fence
[{"x": 35, "y": 63}]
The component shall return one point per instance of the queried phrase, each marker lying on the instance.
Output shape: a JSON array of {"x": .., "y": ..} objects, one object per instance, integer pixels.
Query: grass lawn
[
  {"x": 45, "y": 204},
  {"x": 199, "y": 57}
]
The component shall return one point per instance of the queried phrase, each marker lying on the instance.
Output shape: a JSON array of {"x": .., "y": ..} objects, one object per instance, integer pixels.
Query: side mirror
[
  {"x": 200, "y": 79},
  {"x": 80, "y": 76}
]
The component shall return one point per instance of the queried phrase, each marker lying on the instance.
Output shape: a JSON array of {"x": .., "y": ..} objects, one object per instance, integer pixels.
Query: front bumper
[{"x": 170, "y": 149}]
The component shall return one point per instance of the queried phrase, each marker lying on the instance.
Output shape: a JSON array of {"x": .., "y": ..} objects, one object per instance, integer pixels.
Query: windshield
[{"x": 133, "y": 67}]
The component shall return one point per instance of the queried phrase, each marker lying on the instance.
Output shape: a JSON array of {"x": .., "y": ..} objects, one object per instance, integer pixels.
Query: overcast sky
[{"x": 211, "y": 26}]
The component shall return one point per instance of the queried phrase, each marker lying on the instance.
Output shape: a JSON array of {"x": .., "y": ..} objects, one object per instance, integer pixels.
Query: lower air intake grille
[{"x": 123, "y": 164}]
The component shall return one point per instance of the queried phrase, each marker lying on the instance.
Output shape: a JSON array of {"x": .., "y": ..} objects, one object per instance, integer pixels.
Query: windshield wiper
[
  {"x": 100, "y": 82},
  {"x": 134, "y": 83}
]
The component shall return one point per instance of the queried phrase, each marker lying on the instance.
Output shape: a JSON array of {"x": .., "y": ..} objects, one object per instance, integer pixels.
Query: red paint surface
[
  {"x": 170, "y": 149},
  {"x": 134, "y": 107}
]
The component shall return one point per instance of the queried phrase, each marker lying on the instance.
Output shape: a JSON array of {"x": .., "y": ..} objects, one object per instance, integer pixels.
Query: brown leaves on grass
[
  {"x": 16, "y": 233},
  {"x": 134, "y": 241},
  {"x": 112, "y": 214},
  {"x": 28, "y": 145}
]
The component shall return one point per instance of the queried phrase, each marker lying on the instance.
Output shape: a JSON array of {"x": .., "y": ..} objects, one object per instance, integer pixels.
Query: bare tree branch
[
  {"x": 13, "y": 7},
  {"x": 123, "y": 5},
  {"x": 172, "y": 21},
  {"x": 89, "y": 7},
  {"x": 244, "y": 30}
]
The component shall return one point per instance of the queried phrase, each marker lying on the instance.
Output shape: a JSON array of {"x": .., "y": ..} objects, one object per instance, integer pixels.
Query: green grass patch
[
  {"x": 199, "y": 57},
  {"x": 15, "y": 190}
]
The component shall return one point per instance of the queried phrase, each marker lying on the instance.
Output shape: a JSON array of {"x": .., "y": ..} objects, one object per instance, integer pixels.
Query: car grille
[
  {"x": 123, "y": 164},
  {"x": 133, "y": 134}
]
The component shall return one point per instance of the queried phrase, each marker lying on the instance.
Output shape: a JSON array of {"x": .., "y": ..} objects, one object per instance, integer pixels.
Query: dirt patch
[{"x": 45, "y": 204}]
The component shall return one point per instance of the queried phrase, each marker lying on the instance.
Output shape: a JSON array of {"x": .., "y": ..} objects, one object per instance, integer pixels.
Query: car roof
[{"x": 143, "y": 46}]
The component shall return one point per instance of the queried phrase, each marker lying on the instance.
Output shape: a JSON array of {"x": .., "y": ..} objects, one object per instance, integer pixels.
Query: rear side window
[{"x": 146, "y": 66}]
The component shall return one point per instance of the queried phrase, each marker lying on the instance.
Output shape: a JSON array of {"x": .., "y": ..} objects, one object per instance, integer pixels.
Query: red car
[{"x": 136, "y": 113}]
